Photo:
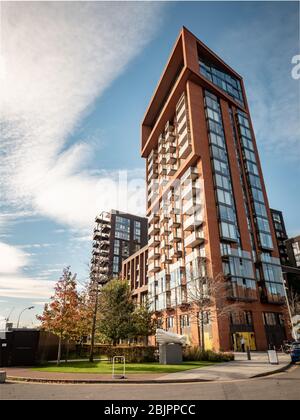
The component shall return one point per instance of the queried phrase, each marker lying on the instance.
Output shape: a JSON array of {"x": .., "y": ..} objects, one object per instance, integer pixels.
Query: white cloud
[
  {"x": 12, "y": 259},
  {"x": 58, "y": 58},
  {"x": 13, "y": 283},
  {"x": 21, "y": 287}
]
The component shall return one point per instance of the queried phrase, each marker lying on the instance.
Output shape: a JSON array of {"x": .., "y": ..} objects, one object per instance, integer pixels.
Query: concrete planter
[{"x": 2, "y": 377}]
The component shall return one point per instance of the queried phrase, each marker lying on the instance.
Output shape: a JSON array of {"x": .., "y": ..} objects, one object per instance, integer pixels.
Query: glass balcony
[
  {"x": 166, "y": 258},
  {"x": 183, "y": 137},
  {"x": 185, "y": 150},
  {"x": 192, "y": 222},
  {"x": 194, "y": 239},
  {"x": 162, "y": 170},
  {"x": 181, "y": 125},
  {"x": 171, "y": 170},
  {"x": 191, "y": 206},
  {"x": 175, "y": 221},
  {"x": 153, "y": 218},
  {"x": 171, "y": 158},
  {"x": 153, "y": 195},
  {"x": 152, "y": 156},
  {"x": 154, "y": 241},
  {"x": 165, "y": 245},
  {"x": 154, "y": 267},
  {"x": 153, "y": 254},
  {"x": 152, "y": 166},
  {"x": 165, "y": 230},
  {"x": 175, "y": 236},
  {"x": 191, "y": 173},
  {"x": 153, "y": 229},
  {"x": 175, "y": 253},
  {"x": 191, "y": 190}
]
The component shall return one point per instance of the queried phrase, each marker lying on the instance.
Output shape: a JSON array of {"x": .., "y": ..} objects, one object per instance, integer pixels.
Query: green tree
[
  {"x": 115, "y": 320},
  {"x": 143, "y": 322}
]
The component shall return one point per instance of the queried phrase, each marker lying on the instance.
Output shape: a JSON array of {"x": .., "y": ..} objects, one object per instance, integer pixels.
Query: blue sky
[{"x": 77, "y": 79}]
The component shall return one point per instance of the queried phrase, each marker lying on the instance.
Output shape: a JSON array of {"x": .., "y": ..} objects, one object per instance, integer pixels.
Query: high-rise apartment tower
[{"x": 207, "y": 204}]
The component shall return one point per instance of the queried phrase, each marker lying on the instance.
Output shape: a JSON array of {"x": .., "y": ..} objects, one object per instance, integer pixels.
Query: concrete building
[
  {"x": 207, "y": 204},
  {"x": 117, "y": 235}
]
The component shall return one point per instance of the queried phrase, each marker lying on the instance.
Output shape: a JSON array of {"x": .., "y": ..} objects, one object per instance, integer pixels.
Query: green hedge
[
  {"x": 192, "y": 354},
  {"x": 133, "y": 354},
  {"x": 137, "y": 354}
]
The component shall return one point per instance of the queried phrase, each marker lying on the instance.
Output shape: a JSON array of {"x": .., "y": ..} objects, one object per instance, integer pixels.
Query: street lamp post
[{"x": 21, "y": 313}]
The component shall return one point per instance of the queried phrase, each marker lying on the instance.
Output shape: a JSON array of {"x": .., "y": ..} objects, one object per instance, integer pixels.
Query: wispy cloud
[
  {"x": 22, "y": 287},
  {"x": 57, "y": 58}
]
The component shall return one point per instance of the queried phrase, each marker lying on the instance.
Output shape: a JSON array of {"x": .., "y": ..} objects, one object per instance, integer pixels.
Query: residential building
[
  {"x": 135, "y": 269},
  {"x": 117, "y": 235},
  {"x": 207, "y": 204},
  {"x": 293, "y": 250},
  {"x": 288, "y": 252},
  {"x": 281, "y": 235}
]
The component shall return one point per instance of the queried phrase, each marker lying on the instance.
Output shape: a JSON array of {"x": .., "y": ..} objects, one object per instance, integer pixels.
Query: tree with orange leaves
[{"x": 62, "y": 315}]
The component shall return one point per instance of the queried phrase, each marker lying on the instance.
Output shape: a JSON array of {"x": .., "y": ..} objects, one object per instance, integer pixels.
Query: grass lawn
[{"x": 106, "y": 368}]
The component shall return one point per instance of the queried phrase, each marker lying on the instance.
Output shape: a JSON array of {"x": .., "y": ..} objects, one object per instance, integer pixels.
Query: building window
[
  {"x": 116, "y": 268},
  {"x": 125, "y": 249},
  {"x": 123, "y": 235},
  {"x": 170, "y": 322},
  {"x": 122, "y": 228},
  {"x": 184, "y": 321},
  {"x": 228, "y": 231},
  {"x": 137, "y": 231},
  {"x": 266, "y": 240},
  {"x": 117, "y": 247}
]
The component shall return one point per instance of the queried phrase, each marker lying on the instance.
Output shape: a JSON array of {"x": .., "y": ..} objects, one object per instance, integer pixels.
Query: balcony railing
[
  {"x": 183, "y": 136},
  {"x": 191, "y": 206},
  {"x": 153, "y": 230},
  {"x": 175, "y": 253},
  {"x": 191, "y": 190},
  {"x": 185, "y": 150},
  {"x": 154, "y": 267},
  {"x": 194, "y": 239},
  {"x": 154, "y": 241},
  {"x": 191, "y": 173},
  {"x": 153, "y": 254},
  {"x": 171, "y": 170},
  {"x": 192, "y": 222},
  {"x": 175, "y": 236},
  {"x": 153, "y": 218},
  {"x": 175, "y": 221},
  {"x": 104, "y": 244}
]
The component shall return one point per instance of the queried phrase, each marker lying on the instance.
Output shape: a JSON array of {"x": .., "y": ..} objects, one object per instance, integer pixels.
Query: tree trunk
[
  {"x": 202, "y": 332},
  {"x": 67, "y": 351},
  {"x": 59, "y": 349}
]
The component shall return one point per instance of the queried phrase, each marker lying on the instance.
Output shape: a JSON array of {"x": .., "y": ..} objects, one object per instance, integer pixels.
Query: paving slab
[{"x": 240, "y": 368}]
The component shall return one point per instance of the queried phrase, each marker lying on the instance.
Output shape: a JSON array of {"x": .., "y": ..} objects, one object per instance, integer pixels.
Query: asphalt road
[{"x": 282, "y": 386}]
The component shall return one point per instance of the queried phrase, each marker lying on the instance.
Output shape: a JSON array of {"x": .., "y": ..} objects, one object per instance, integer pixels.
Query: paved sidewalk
[{"x": 241, "y": 368}]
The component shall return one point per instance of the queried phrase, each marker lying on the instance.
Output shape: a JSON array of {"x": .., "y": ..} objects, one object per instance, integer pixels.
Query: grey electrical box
[{"x": 170, "y": 354}]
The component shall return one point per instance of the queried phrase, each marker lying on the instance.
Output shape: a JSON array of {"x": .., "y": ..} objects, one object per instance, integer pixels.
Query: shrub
[
  {"x": 196, "y": 354},
  {"x": 133, "y": 354}
]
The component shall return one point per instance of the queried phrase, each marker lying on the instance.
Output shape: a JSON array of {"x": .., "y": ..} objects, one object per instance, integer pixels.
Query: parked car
[{"x": 295, "y": 352}]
